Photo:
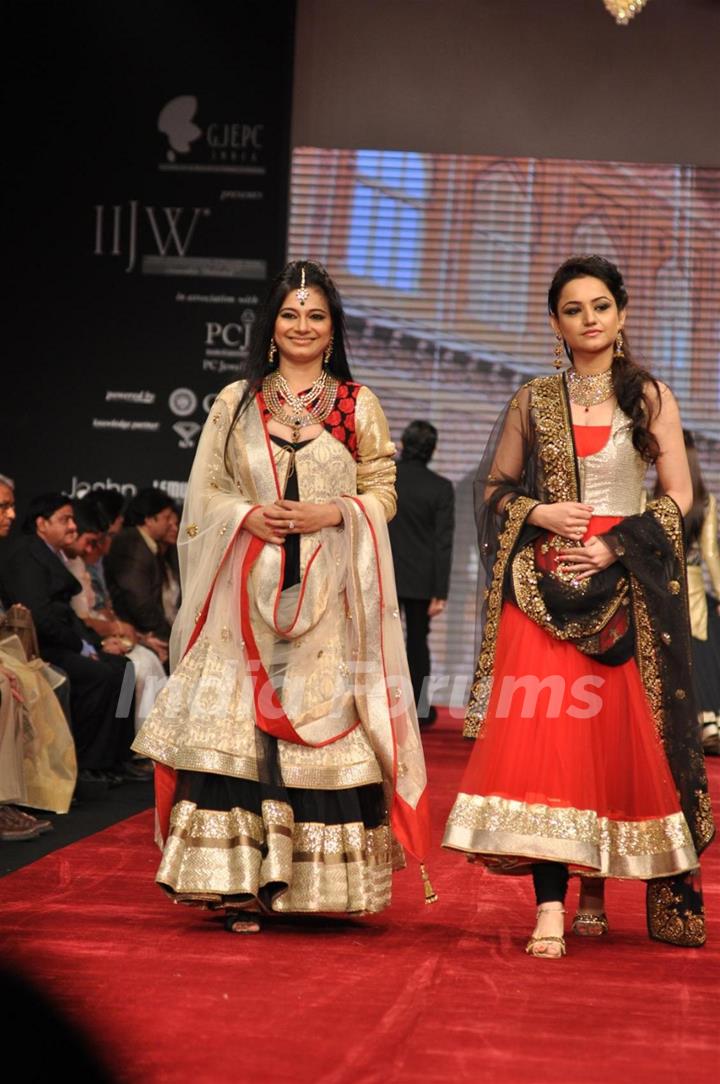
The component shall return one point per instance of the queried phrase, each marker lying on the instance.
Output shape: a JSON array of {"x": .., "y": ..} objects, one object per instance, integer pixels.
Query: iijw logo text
[{"x": 118, "y": 229}]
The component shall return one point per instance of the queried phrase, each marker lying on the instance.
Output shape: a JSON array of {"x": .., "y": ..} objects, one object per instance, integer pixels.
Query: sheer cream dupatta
[
  {"x": 232, "y": 594},
  {"x": 383, "y": 690}
]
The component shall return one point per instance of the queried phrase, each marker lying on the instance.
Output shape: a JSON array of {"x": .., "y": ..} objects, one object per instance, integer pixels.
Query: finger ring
[{"x": 291, "y": 525}]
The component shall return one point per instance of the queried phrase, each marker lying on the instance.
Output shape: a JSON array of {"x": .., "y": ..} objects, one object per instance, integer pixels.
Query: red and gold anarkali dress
[{"x": 570, "y": 762}]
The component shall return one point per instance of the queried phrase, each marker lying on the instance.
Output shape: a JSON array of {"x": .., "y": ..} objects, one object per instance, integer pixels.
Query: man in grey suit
[{"x": 421, "y": 535}]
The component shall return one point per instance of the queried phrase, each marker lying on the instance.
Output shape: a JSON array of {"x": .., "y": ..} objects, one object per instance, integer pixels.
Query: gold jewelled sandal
[
  {"x": 235, "y": 922},
  {"x": 590, "y": 924},
  {"x": 532, "y": 947}
]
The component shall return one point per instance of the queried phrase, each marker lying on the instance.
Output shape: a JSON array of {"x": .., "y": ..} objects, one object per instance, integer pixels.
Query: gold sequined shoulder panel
[{"x": 553, "y": 427}]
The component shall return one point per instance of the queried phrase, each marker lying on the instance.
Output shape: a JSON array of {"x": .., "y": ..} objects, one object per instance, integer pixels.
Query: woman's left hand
[
  {"x": 302, "y": 517},
  {"x": 593, "y": 556}
]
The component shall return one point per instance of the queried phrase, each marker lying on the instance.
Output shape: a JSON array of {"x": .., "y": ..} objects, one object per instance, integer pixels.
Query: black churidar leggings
[{"x": 550, "y": 880}]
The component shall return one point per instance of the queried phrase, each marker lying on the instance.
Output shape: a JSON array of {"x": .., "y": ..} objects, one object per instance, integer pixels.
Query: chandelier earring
[
  {"x": 327, "y": 356},
  {"x": 272, "y": 351},
  {"x": 559, "y": 358},
  {"x": 619, "y": 346}
]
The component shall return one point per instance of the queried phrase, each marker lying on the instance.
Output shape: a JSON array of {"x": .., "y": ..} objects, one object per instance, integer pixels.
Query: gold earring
[
  {"x": 272, "y": 350},
  {"x": 559, "y": 351},
  {"x": 328, "y": 352},
  {"x": 619, "y": 344}
]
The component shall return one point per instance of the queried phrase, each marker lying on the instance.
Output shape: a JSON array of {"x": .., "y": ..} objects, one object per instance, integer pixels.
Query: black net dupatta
[
  {"x": 650, "y": 547},
  {"x": 529, "y": 459},
  {"x": 503, "y": 496}
]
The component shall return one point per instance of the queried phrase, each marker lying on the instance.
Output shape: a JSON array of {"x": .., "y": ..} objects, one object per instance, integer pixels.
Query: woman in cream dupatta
[{"x": 290, "y": 769}]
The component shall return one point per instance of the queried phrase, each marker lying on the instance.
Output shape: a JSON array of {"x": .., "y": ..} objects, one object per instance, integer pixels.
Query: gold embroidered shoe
[{"x": 590, "y": 924}]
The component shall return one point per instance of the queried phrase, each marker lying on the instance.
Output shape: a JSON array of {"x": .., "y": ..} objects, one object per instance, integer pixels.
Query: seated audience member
[
  {"x": 171, "y": 569},
  {"x": 421, "y": 536},
  {"x": 103, "y": 507},
  {"x": 36, "y": 575},
  {"x": 111, "y": 504},
  {"x": 37, "y": 756},
  {"x": 133, "y": 567},
  {"x": 49, "y": 763},
  {"x": 7, "y": 505},
  {"x": 17, "y": 619},
  {"x": 12, "y": 783},
  {"x": 108, "y": 505},
  {"x": 82, "y": 552}
]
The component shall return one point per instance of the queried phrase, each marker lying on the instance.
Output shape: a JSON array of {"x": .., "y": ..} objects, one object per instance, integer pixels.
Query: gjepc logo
[
  {"x": 176, "y": 122},
  {"x": 227, "y": 146}
]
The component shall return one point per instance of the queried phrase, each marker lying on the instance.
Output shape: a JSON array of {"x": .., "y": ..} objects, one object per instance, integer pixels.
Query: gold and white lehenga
[{"x": 286, "y": 740}]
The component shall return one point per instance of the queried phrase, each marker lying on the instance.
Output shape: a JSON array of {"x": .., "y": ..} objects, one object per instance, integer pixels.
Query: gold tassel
[{"x": 430, "y": 895}]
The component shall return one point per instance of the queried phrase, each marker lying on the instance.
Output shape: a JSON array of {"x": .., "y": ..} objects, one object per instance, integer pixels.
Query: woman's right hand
[
  {"x": 256, "y": 524},
  {"x": 567, "y": 518}
]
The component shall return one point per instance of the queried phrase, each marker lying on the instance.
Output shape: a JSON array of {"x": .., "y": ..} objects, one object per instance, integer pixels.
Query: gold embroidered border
[
  {"x": 532, "y": 604},
  {"x": 667, "y": 513},
  {"x": 492, "y": 826},
  {"x": 551, "y": 417},
  {"x": 549, "y": 409},
  {"x": 218, "y": 858},
  {"x": 305, "y": 777},
  {"x": 647, "y": 657},
  {"x": 517, "y": 512},
  {"x": 704, "y": 821},
  {"x": 667, "y": 922}
]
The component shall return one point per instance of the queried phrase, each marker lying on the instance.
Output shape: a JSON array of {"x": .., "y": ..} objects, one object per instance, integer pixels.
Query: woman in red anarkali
[{"x": 587, "y": 758}]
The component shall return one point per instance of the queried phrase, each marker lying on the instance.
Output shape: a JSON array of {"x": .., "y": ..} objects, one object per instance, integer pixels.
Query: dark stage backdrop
[{"x": 146, "y": 166}]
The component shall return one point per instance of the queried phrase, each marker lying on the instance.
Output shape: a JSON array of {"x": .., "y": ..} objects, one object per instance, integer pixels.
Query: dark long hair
[
  {"x": 696, "y": 516},
  {"x": 629, "y": 377},
  {"x": 257, "y": 366}
]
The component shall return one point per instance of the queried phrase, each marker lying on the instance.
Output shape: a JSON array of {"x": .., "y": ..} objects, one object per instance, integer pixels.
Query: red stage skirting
[{"x": 416, "y": 995}]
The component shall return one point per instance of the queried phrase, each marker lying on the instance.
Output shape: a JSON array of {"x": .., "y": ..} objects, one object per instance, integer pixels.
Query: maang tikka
[{"x": 302, "y": 294}]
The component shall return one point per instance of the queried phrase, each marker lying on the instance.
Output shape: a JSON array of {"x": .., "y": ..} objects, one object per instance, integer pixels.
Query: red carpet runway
[{"x": 416, "y": 995}]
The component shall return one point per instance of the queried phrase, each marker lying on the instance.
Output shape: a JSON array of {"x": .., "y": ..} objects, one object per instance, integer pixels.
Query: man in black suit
[
  {"x": 36, "y": 576},
  {"x": 133, "y": 567},
  {"x": 421, "y": 535}
]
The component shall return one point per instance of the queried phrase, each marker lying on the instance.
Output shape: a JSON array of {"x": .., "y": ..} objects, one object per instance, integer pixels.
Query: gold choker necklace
[{"x": 590, "y": 390}]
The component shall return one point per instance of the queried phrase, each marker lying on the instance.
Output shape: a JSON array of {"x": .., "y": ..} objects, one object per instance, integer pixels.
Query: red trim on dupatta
[
  {"x": 278, "y": 725},
  {"x": 411, "y": 827}
]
